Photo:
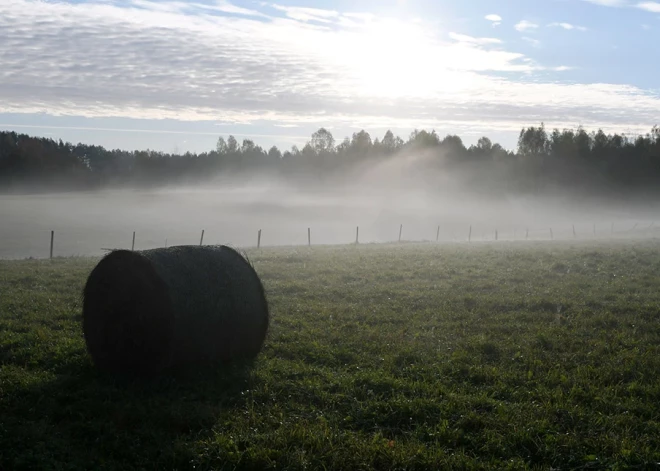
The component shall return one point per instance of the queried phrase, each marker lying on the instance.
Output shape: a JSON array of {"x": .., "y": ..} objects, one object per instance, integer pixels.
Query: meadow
[{"x": 516, "y": 355}]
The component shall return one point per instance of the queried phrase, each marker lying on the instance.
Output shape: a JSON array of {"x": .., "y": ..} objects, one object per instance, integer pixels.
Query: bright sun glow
[
  {"x": 388, "y": 58},
  {"x": 396, "y": 59},
  {"x": 391, "y": 58}
]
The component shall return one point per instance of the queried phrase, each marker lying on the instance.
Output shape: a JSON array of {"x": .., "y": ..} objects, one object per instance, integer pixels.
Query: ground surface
[{"x": 510, "y": 356}]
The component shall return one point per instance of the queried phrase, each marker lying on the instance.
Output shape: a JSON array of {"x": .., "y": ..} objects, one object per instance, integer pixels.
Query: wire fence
[{"x": 468, "y": 234}]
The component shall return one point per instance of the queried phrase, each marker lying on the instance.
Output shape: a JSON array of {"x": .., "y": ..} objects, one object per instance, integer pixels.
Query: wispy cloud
[
  {"x": 532, "y": 41},
  {"x": 609, "y": 3},
  {"x": 308, "y": 14},
  {"x": 525, "y": 25},
  {"x": 495, "y": 19},
  {"x": 472, "y": 40},
  {"x": 568, "y": 26},
  {"x": 179, "y": 61},
  {"x": 227, "y": 7},
  {"x": 653, "y": 7}
]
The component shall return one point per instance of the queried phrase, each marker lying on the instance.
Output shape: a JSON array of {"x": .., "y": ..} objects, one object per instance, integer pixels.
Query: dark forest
[{"x": 569, "y": 159}]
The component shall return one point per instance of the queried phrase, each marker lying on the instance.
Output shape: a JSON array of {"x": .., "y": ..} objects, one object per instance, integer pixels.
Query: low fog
[{"x": 410, "y": 190}]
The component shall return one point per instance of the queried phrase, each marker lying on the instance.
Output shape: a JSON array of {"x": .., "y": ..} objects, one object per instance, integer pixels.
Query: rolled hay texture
[{"x": 149, "y": 310}]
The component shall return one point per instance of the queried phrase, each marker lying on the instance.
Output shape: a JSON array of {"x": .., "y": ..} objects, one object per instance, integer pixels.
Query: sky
[{"x": 175, "y": 75}]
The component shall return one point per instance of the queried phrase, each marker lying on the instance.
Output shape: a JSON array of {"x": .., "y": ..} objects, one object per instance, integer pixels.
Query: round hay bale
[{"x": 148, "y": 310}]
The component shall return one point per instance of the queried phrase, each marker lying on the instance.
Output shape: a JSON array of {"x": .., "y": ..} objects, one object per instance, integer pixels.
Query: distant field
[{"x": 453, "y": 356}]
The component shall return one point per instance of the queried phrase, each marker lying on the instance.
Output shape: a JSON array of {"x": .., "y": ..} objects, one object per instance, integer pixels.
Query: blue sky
[{"x": 175, "y": 75}]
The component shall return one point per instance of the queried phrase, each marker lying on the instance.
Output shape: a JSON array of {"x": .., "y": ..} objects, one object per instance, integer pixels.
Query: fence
[{"x": 493, "y": 235}]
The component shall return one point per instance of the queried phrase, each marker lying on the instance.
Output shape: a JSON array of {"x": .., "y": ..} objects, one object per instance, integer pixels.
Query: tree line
[{"x": 543, "y": 161}]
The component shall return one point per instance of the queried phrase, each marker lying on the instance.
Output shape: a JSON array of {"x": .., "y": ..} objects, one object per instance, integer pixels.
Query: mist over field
[{"x": 379, "y": 202}]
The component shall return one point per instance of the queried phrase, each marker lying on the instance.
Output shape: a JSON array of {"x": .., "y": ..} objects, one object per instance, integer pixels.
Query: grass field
[{"x": 482, "y": 356}]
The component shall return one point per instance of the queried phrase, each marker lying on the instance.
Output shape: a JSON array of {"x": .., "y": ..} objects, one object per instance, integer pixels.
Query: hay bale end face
[{"x": 150, "y": 310}]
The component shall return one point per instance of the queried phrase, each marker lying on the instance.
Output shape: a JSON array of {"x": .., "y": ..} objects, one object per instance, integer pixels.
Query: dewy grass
[{"x": 413, "y": 356}]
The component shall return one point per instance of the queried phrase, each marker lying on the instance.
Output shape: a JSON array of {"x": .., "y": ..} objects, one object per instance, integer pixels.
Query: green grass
[{"x": 503, "y": 356}]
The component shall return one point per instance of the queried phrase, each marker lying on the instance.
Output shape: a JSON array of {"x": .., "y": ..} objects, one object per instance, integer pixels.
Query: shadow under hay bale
[{"x": 155, "y": 309}]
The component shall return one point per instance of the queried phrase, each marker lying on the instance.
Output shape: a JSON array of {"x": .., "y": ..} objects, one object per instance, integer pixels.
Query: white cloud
[
  {"x": 471, "y": 40},
  {"x": 568, "y": 26},
  {"x": 174, "y": 60},
  {"x": 525, "y": 25},
  {"x": 653, "y": 7},
  {"x": 495, "y": 19}
]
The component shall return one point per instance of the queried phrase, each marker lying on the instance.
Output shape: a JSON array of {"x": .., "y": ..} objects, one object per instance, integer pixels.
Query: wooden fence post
[
  {"x": 259, "y": 239},
  {"x": 309, "y": 237},
  {"x": 133, "y": 244},
  {"x": 201, "y": 239},
  {"x": 437, "y": 234},
  {"x": 357, "y": 235},
  {"x": 400, "y": 231},
  {"x": 52, "y": 241},
  {"x": 470, "y": 235}
]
